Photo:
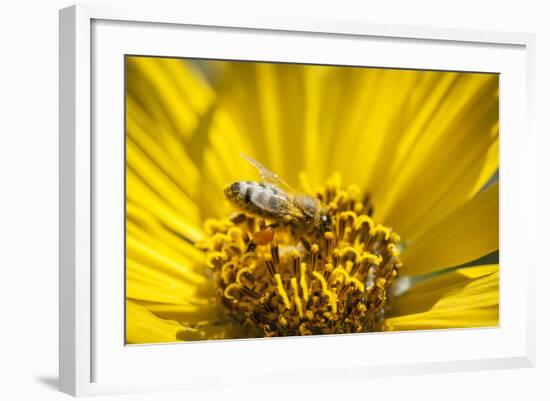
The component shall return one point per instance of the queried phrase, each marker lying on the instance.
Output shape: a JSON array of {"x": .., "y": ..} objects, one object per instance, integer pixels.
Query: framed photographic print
[{"x": 281, "y": 197}]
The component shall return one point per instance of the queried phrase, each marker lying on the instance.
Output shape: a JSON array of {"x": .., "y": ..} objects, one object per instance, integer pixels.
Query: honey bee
[{"x": 273, "y": 199}]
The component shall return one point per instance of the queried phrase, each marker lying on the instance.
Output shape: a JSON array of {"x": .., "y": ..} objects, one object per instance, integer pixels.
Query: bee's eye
[
  {"x": 233, "y": 190},
  {"x": 325, "y": 222}
]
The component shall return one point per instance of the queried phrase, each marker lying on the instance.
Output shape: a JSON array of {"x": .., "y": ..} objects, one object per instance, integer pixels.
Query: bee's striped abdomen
[{"x": 258, "y": 198}]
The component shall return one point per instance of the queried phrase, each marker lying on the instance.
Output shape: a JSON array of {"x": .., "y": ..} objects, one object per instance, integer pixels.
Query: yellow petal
[
  {"x": 466, "y": 235},
  {"x": 371, "y": 118},
  {"x": 248, "y": 96},
  {"x": 173, "y": 161},
  {"x": 211, "y": 331},
  {"x": 222, "y": 163},
  {"x": 170, "y": 90},
  {"x": 268, "y": 92},
  {"x": 183, "y": 222},
  {"x": 186, "y": 314},
  {"x": 276, "y": 108},
  {"x": 467, "y": 297},
  {"x": 143, "y": 327},
  {"x": 166, "y": 242},
  {"x": 313, "y": 79},
  {"x": 146, "y": 255},
  {"x": 152, "y": 176},
  {"x": 263, "y": 132},
  {"x": 446, "y": 153},
  {"x": 152, "y": 284}
]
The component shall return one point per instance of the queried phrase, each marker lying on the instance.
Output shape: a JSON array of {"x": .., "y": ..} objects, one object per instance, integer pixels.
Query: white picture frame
[{"x": 91, "y": 37}]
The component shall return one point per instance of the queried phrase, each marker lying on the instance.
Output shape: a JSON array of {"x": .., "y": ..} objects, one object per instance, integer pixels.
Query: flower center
[{"x": 333, "y": 283}]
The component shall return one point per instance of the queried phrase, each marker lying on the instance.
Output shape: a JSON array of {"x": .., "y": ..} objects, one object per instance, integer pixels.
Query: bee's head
[
  {"x": 232, "y": 191},
  {"x": 325, "y": 223}
]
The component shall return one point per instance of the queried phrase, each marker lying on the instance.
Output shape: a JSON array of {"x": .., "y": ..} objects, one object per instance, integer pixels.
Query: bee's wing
[
  {"x": 275, "y": 202},
  {"x": 268, "y": 176}
]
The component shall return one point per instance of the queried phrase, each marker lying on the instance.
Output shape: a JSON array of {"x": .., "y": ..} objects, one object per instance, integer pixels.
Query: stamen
[
  {"x": 235, "y": 234},
  {"x": 359, "y": 285},
  {"x": 322, "y": 280},
  {"x": 341, "y": 228},
  {"x": 355, "y": 268},
  {"x": 247, "y": 291},
  {"x": 350, "y": 252},
  {"x": 270, "y": 267},
  {"x": 371, "y": 258},
  {"x": 215, "y": 259},
  {"x": 329, "y": 294},
  {"x": 297, "y": 299},
  {"x": 275, "y": 252},
  {"x": 304, "y": 331},
  {"x": 295, "y": 256},
  {"x": 282, "y": 291},
  {"x": 213, "y": 226},
  {"x": 247, "y": 272},
  {"x": 230, "y": 288},
  {"x": 392, "y": 250},
  {"x": 379, "y": 229},
  {"x": 367, "y": 205},
  {"x": 328, "y": 270},
  {"x": 341, "y": 197},
  {"x": 314, "y": 253},
  {"x": 329, "y": 236},
  {"x": 336, "y": 255},
  {"x": 366, "y": 221},
  {"x": 349, "y": 216},
  {"x": 349, "y": 266},
  {"x": 227, "y": 270},
  {"x": 231, "y": 249},
  {"x": 305, "y": 282},
  {"x": 246, "y": 256},
  {"x": 332, "y": 301},
  {"x": 251, "y": 246},
  {"x": 339, "y": 271},
  {"x": 251, "y": 224}
]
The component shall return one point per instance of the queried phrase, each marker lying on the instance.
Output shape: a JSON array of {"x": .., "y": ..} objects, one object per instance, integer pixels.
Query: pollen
[{"x": 334, "y": 283}]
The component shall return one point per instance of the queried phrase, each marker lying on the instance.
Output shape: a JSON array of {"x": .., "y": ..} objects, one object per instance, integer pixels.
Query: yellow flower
[{"x": 405, "y": 162}]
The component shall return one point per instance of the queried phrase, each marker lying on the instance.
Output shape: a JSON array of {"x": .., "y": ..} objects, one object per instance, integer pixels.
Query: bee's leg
[
  {"x": 237, "y": 218},
  {"x": 261, "y": 224},
  {"x": 251, "y": 246},
  {"x": 305, "y": 243}
]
